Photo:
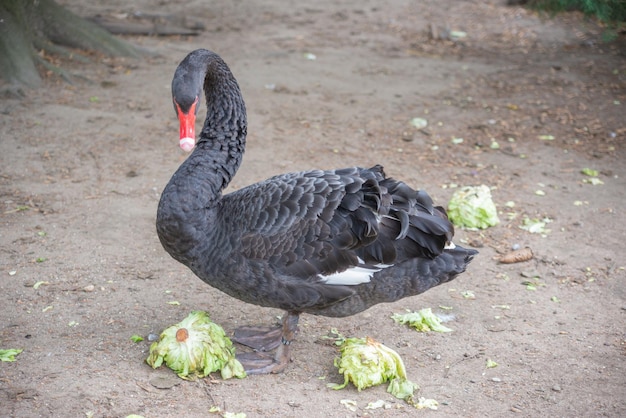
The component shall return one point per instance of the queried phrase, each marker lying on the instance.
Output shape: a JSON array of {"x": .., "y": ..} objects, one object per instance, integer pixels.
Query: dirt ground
[{"x": 534, "y": 101}]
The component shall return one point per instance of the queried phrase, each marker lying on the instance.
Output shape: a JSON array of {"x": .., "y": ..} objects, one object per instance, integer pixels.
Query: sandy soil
[{"x": 82, "y": 167}]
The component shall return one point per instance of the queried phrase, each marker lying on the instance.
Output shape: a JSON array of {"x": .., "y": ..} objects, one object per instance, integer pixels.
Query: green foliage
[{"x": 609, "y": 11}]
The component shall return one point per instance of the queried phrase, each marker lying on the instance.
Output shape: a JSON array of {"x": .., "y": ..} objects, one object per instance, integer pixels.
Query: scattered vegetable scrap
[
  {"x": 517, "y": 256},
  {"x": 423, "y": 320},
  {"x": 491, "y": 364},
  {"x": 9, "y": 354},
  {"x": 419, "y": 123},
  {"x": 365, "y": 362},
  {"x": 196, "y": 347},
  {"x": 472, "y": 207},
  {"x": 378, "y": 404},
  {"x": 349, "y": 403},
  {"x": 233, "y": 415},
  {"x": 39, "y": 283},
  {"x": 136, "y": 338},
  {"x": 535, "y": 226},
  {"x": 423, "y": 403},
  {"x": 594, "y": 181},
  {"x": 589, "y": 172}
]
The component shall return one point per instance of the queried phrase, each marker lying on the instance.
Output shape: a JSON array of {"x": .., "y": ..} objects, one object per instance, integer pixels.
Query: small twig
[
  {"x": 206, "y": 390},
  {"x": 449, "y": 366},
  {"x": 147, "y": 389}
]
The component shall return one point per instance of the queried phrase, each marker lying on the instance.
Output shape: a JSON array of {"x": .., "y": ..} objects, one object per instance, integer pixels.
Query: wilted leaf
[
  {"x": 9, "y": 354},
  {"x": 535, "y": 226},
  {"x": 39, "y": 283},
  {"x": 234, "y": 415},
  {"x": 349, "y": 403},
  {"x": 594, "y": 181},
  {"x": 419, "y": 123},
  {"x": 589, "y": 172},
  {"x": 423, "y": 320},
  {"x": 423, "y": 403},
  {"x": 378, "y": 404}
]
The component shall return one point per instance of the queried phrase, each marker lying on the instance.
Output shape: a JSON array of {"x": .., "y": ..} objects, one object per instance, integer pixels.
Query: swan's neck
[{"x": 188, "y": 206}]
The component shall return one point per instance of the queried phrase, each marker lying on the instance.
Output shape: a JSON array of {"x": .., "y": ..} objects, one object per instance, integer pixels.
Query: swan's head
[{"x": 187, "y": 119}]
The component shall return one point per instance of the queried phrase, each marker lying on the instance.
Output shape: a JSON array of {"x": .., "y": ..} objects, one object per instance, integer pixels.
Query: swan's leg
[{"x": 260, "y": 363}]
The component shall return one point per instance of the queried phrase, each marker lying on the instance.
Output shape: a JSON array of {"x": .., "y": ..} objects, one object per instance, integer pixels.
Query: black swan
[{"x": 329, "y": 243}]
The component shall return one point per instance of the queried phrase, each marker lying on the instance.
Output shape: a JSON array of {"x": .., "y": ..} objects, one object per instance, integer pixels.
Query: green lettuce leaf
[
  {"x": 423, "y": 320},
  {"x": 9, "y": 354}
]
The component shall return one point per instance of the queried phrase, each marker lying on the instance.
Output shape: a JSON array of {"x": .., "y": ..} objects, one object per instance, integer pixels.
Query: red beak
[{"x": 187, "y": 123}]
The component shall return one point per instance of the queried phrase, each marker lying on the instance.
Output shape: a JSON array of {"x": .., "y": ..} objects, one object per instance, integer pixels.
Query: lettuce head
[
  {"x": 472, "y": 207},
  {"x": 365, "y": 362},
  {"x": 194, "y": 348}
]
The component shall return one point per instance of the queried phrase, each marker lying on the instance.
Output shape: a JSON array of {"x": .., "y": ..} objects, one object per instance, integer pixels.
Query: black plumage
[{"x": 329, "y": 242}]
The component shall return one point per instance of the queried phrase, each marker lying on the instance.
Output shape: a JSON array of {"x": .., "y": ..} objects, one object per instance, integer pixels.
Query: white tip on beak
[{"x": 187, "y": 144}]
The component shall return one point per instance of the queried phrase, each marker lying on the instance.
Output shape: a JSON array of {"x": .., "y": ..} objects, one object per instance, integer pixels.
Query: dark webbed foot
[
  {"x": 259, "y": 338},
  {"x": 267, "y": 339}
]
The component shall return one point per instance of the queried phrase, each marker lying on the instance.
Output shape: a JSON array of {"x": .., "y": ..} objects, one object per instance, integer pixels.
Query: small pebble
[
  {"x": 556, "y": 388},
  {"x": 515, "y": 409},
  {"x": 89, "y": 288},
  {"x": 496, "y": 379},
  {"x": 153, "y": 337}
]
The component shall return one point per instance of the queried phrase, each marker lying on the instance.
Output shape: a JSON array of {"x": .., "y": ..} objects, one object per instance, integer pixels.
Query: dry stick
[{"x": 447, "y": 368}]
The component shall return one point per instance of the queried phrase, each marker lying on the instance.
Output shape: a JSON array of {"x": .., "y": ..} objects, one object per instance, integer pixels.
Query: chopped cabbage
[
  {"x": 365, "y": 362},
  {"x": 196, "y": 347},
  {"x": 472, "y": 207},
  {"x": 423, "y": 320}
]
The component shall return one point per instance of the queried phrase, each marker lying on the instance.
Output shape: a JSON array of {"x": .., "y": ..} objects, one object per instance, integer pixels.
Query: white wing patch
[{"x": 354, "y": 275}]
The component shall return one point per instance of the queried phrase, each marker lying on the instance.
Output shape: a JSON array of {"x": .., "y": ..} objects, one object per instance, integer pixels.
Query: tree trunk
[{"x": 30, "y": 26}]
